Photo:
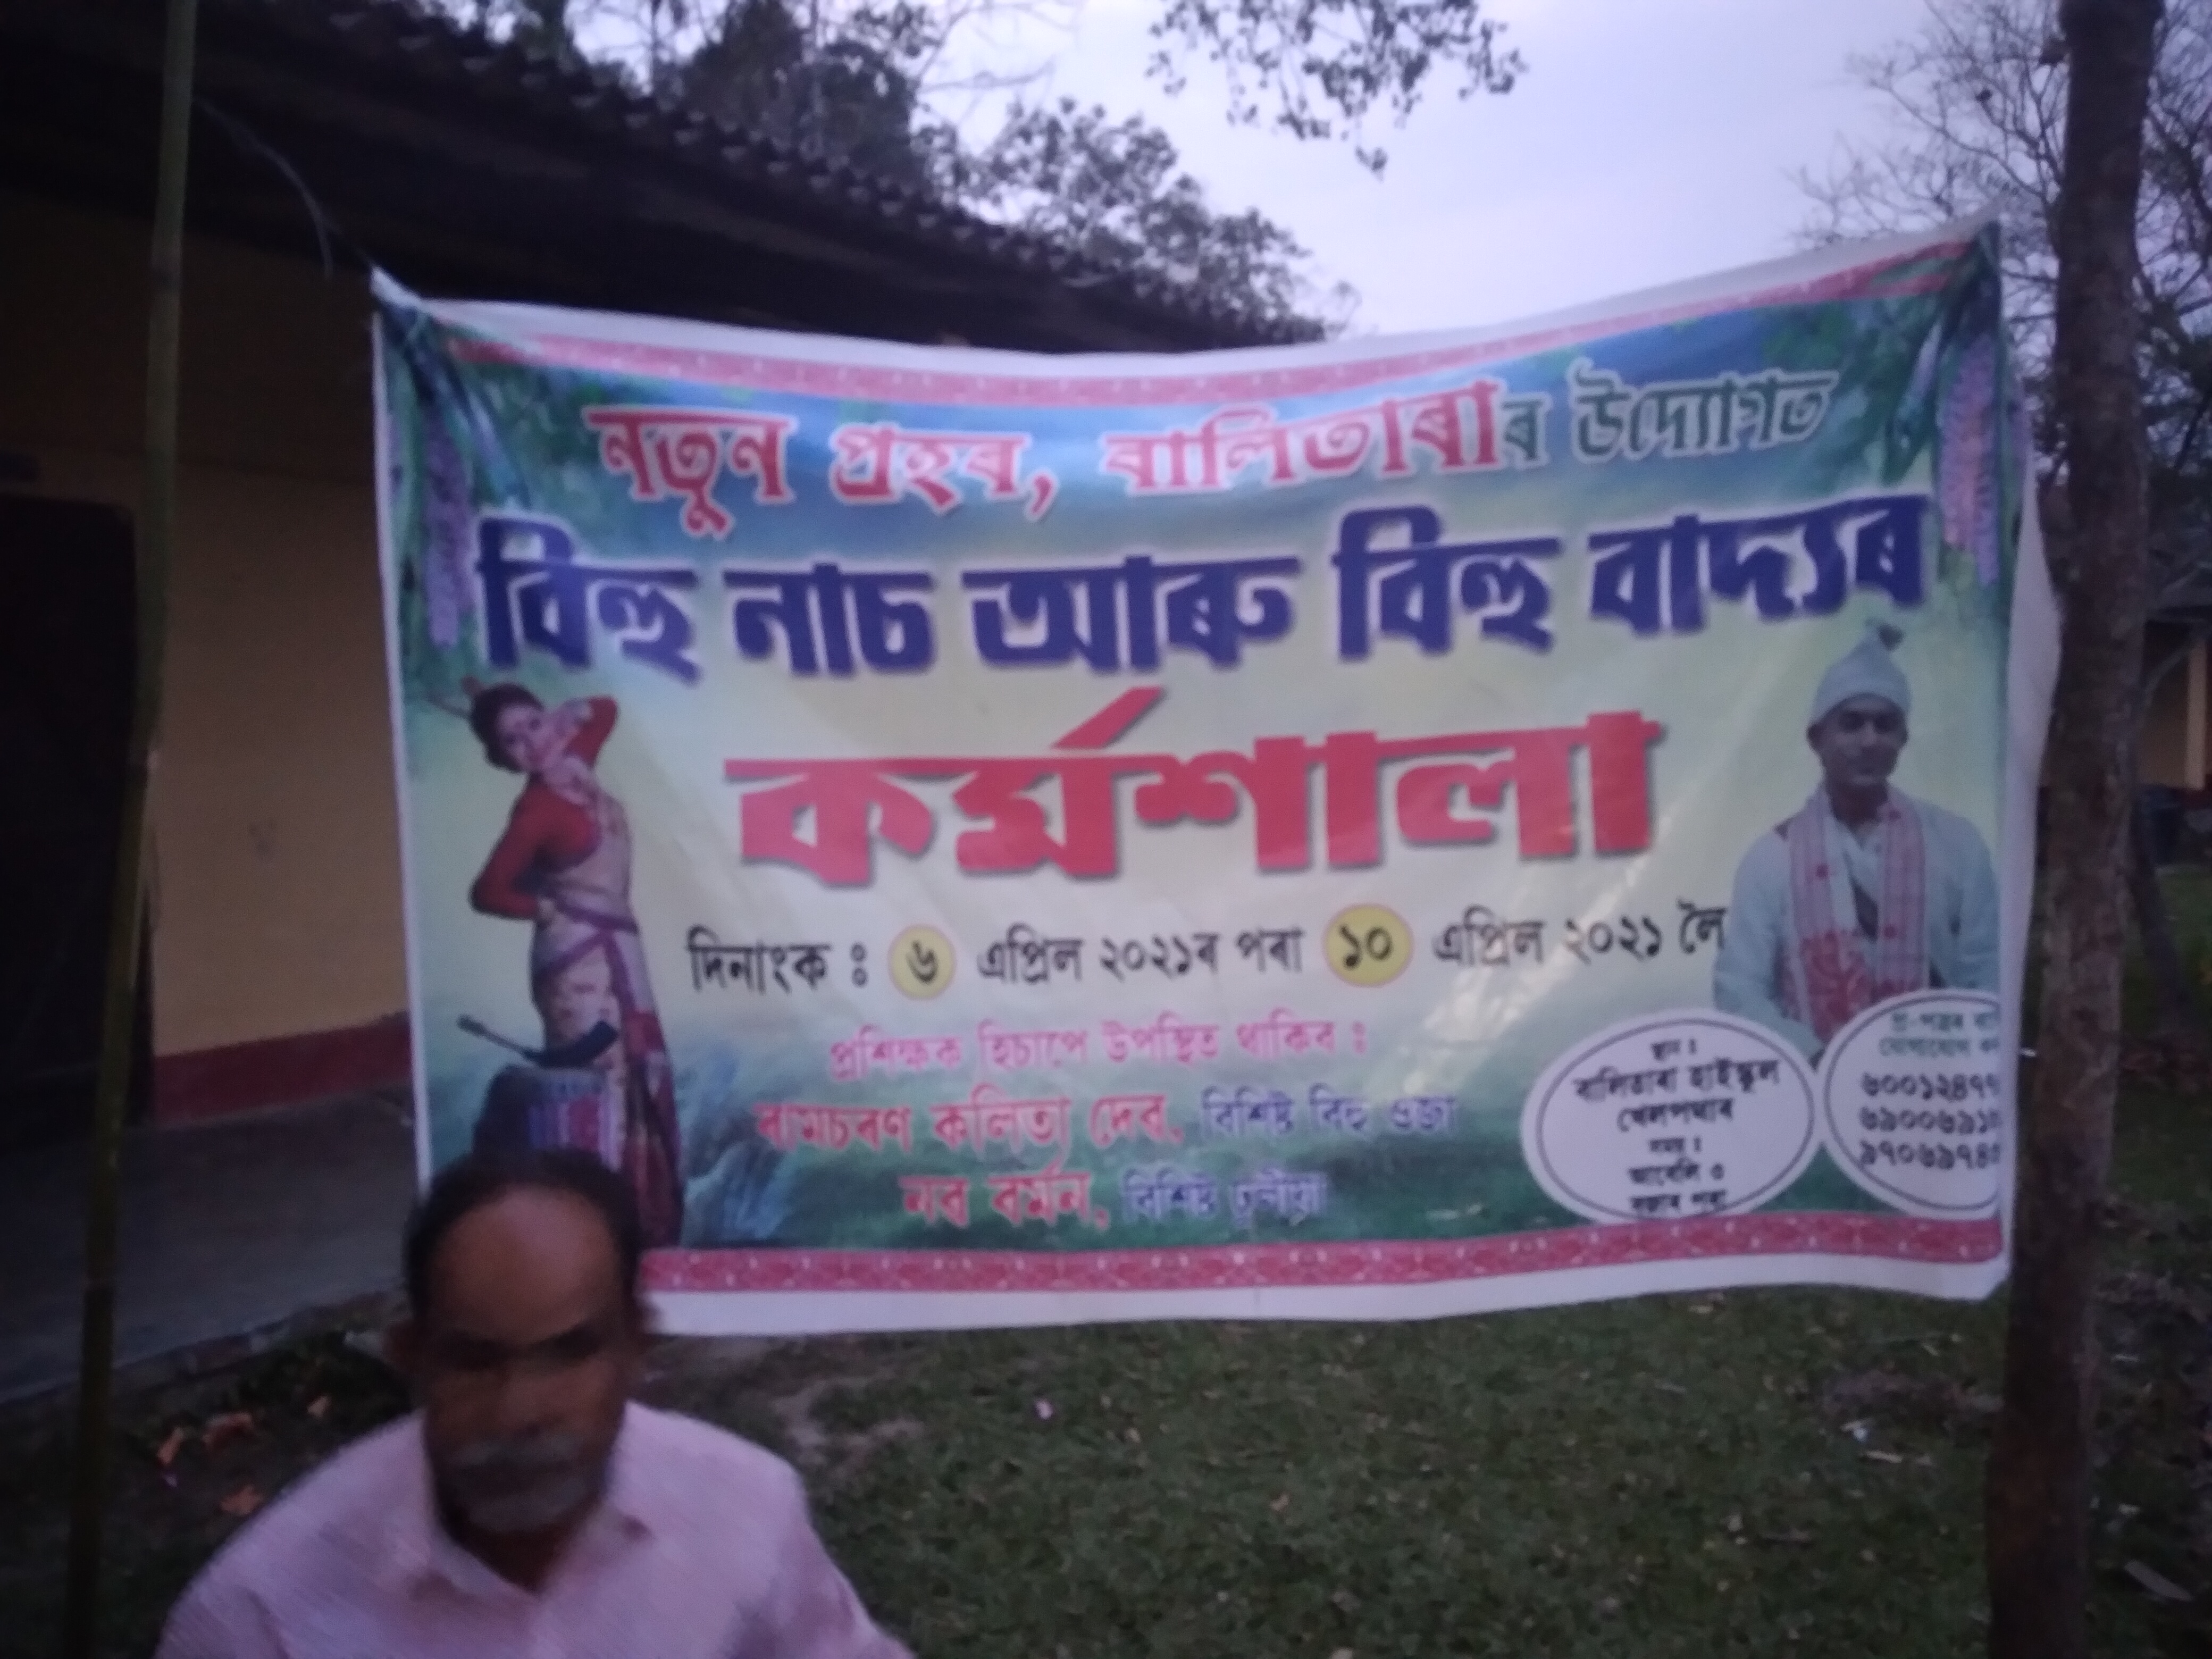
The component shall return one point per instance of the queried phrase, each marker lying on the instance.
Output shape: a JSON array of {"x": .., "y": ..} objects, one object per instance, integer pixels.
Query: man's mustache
[
  {"x": 522, "y": 1484},
  {"x": 521, "y": 1455}
]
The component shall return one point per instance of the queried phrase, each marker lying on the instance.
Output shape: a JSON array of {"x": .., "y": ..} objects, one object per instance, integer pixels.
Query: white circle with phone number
[{"x": 1916, "y": 1102}]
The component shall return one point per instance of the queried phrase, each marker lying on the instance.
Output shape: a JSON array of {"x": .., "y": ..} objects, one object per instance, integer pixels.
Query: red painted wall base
[{"x": 207, "y": 1082}]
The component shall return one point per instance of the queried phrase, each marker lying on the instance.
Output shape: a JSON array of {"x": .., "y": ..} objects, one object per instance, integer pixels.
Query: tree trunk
[
  {"x": 2180, "y": 1015},
  {"x": 2038, "y": 1495},
  {"x": 2176, "y": 998}
]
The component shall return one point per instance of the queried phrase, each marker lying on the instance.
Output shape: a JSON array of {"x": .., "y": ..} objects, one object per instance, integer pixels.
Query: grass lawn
[
  {"x": 1762, "y": 1472},
  {"x": 1672, "y": 1475}
]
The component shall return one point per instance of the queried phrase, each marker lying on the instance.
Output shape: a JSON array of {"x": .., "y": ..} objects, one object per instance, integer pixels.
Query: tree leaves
[
  {"x": 1314, "y": 69},
  {"x": 852, "y": 79},
  {"x": 853, "y": 94},
  {"x": 1114, "y": 191},
  {"x": 1319, "y": 69}
]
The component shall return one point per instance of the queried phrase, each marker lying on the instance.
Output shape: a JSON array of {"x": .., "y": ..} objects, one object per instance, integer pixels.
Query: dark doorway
[{"x": 66, "y": 671}]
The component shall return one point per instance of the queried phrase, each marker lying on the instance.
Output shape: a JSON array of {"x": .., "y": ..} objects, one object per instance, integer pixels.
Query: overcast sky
[{"x": 1650, "y": 140}]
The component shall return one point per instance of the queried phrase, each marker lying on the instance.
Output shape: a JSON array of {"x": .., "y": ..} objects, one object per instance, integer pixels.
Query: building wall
[
  {"x": 277, "y": 950},
  {"x": 2174, "y": 739}
]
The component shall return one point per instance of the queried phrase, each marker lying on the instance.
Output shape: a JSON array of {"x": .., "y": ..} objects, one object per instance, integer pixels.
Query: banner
[{"x": 1380, "y": 829}]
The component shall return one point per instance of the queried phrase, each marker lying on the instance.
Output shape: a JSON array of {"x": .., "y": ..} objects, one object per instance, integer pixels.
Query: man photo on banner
[{"x": 1866, "y": 893}]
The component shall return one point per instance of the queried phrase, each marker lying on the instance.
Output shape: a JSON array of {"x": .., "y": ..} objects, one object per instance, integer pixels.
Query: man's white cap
[{"x": 1868, "y": 669}]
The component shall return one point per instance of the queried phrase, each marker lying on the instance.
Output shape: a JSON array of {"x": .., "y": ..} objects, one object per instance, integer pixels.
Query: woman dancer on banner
[{"x": 564, "y": 864}]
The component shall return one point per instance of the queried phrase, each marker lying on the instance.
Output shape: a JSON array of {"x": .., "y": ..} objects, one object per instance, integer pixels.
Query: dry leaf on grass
[
  {"x": 242, "y": 1503},
  {"x": 169, "y": 1447},
  {"x": 221, "y": 1431},
  {"x": 319, "y": 1407}
]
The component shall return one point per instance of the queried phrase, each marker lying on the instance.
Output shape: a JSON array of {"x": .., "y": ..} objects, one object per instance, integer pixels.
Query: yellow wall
[
  {"x": 276, "y": 837},
  {"x": 2175, "y": 736}
]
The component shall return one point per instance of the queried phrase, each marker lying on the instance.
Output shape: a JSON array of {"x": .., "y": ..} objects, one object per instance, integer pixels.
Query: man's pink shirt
[{"x": 702, "y": 1549}]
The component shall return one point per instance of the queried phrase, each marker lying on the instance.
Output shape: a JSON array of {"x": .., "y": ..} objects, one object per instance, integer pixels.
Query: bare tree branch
[{"x": 1976, "y": 102}]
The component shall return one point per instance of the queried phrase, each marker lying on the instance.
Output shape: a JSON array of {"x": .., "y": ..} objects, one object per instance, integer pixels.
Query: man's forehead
[
  {"x": 529, "y": 1254},
  {"x": 1865, "y": 703}
]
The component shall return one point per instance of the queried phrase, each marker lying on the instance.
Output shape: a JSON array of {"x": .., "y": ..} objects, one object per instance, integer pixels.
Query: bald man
[{"x": 528, "y": 1507}]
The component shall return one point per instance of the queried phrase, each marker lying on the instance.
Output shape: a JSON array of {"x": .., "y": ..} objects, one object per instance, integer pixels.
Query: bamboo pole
[{"x": 119, "y": 1023}]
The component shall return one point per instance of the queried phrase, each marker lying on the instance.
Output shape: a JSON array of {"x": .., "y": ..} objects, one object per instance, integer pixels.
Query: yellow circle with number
[
  {"x": 921, "y": 963},
  {"x": 1368, "y": 945}
]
